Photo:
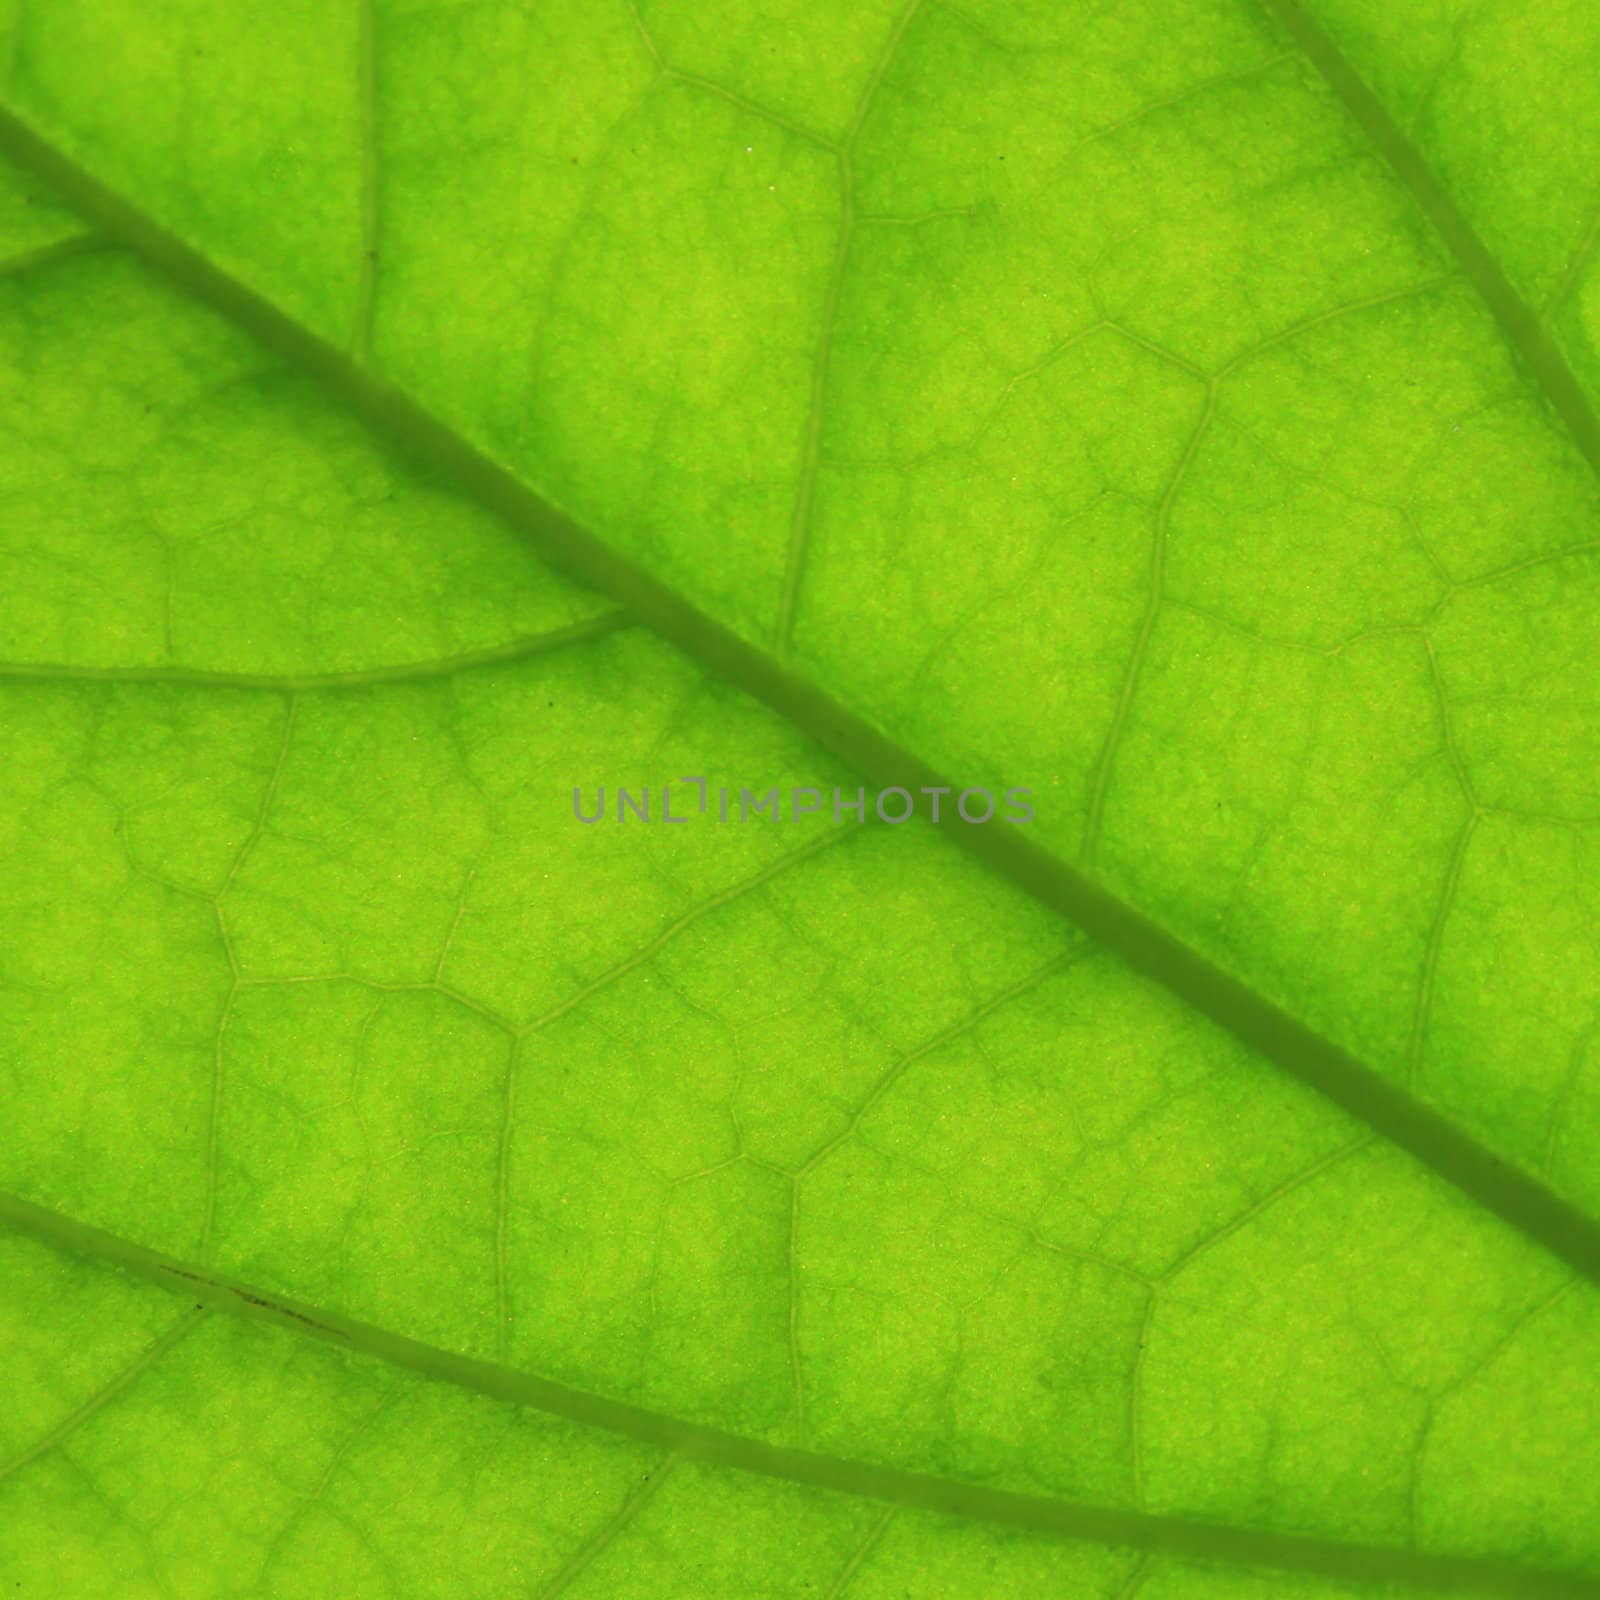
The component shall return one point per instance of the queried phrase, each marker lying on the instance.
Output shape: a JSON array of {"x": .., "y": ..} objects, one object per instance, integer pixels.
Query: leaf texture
[{"x": 411, "y": 1190}]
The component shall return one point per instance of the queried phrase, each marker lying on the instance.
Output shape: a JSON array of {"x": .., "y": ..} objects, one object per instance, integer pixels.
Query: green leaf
[{"x": 413, "y": 413}]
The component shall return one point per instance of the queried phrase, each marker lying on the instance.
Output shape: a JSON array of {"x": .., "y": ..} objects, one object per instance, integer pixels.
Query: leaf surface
[{"x": 1177, "y": 423}]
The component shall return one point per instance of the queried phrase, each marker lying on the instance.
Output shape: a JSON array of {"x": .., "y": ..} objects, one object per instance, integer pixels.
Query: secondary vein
[
  {"x": 1163, "y": 1535},
  {"x": 103, "y": 1396},
  {"x": 294, "y": 683},
  {"x": 1522, "y": 329}
]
